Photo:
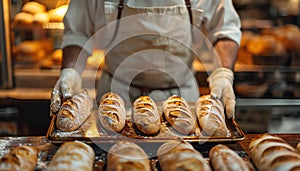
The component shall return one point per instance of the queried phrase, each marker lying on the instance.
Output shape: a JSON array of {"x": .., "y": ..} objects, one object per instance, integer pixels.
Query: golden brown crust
[
  {"x": 57, "y": 14},
  {"x": 178, "y": 113},
  {"x": 72, "y": 156},
  {"x": 146, "y": 116},
  {"x": 19, "y": 158},
  {"x": 74, "y": 112},
  {"x": 273, "y": 153},
  {"x": 180, "y": 155},
  {"x": 225, "y": 159},
  {"x": 111, "y": 112},
  {"x": 211, "y": 116},
  {"x": 127, "y": 156}
]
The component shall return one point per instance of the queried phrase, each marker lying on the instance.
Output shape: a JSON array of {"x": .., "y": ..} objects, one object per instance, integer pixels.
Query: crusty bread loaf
[
  {"x": 72, "y": 156},
  {"x": 225, "y": 159},
  {"x": 146, "y": 116},
  {"x": 19, "y": 158},
  {"x": 180, "y": 155},
  {"x": 111, "y": 112},
  {"x": 41, "y": 18},
  {"x": 178, "y": 113},
  {"x": 270, "y": 153},
  {"x": 211, "y": 116},
  {"x": 127, "y": 156},
  {"x": 74, "y": 111}
]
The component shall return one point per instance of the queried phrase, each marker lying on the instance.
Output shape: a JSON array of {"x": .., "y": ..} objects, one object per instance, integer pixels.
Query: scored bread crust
[
  {"x": 177, "y": 155},
  {"x": 178, "y": 113},
  {"x": 225, "y": 159},
  {"x": 269, "y": 152},
  {"x": 146, "y": 116},
  {"x": 20, "y": 158},
  {"x": 126, "y": 155},
  {"x": 112, "y": 112},
  {"x": 211, "y": 116},
  {"x": 74, "y": 112},
  {"x": 73, "y": 155}
]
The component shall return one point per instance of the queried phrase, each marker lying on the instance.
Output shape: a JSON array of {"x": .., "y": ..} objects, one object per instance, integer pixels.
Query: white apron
[{"x": 150, "y": 54}]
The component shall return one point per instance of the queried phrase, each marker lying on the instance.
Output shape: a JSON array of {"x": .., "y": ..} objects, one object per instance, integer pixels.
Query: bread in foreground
[
  {"x": 178, "y": 113},
  {"x": 111, "y": 112},
  {"x": 19, "y": 158},
  {"x": 74, "y": 112}
]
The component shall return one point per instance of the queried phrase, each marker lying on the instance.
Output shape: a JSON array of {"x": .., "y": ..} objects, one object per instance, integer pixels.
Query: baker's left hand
[{"x": 221, "y": 87}]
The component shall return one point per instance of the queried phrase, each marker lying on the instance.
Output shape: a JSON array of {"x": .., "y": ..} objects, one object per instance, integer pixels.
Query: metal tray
[{"x": 91, "y": 131}]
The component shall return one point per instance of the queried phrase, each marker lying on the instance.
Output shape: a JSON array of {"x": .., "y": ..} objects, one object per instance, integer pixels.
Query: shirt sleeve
[
  {"x": 81, "y": 21},
  {"x": 222, "y": 21}
]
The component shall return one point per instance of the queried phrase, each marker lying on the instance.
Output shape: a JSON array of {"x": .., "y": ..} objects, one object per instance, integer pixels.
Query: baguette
[
  {"x": 111, "y": 112},
  {"x": 19, "y": 158},
  {"x": 178, "y": 113},
  {"x": 273, "y": 153},
  {"x": 225, "y": 159},
  {"x": 146, "y": 116},
  {"x": 127, "y": 156},
  {"x": 74, "y": 112},
  {"x": 211, "y": 117},
  {"x": 74, "y": 155},
  {"x": 177, "y": 155}
]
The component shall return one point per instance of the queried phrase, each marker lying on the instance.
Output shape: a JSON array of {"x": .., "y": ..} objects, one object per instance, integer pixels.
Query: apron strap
[{"x": 189, "y": 8}]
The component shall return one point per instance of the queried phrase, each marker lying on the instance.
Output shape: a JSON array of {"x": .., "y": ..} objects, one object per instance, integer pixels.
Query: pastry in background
[
  {"x": 266, "y": 45},
  {"x": 41, "y": 18},
  {"x": 179, "y": 114},
  {"x": 211, "y": 116},
  {"x": 146, "y": 116},
  {"x": 111, "y": 112},
  {"x": 30, "y": 51},
  {"x": 19, "y": 158},
  {"x": 74, "y": 111},
  {"x": 57, "y": 14},
  {"x": 180, "y": 155},
  {"x": 73, "y": 155},
  {"x": 127, "y": 156},
  {"x": 33, "y": 7},
  {"x": 225, "y": 159},
  {"x": 23, "y": 18},
  {"x": 271, "y": 153}
]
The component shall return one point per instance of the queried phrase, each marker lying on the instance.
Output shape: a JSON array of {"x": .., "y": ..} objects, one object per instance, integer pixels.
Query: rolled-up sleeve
[
  {"x": 222, "y": 21},
  {"x": 81, "y": 21}
]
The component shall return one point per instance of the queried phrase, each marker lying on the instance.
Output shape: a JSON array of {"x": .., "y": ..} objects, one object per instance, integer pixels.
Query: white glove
[
  {"x": 221, "y": 86},
  {"x": 68, "y": 85}
]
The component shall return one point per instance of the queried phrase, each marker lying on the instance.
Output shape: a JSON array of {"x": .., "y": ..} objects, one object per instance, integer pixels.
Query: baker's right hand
[{"x": 68, "y": 85}]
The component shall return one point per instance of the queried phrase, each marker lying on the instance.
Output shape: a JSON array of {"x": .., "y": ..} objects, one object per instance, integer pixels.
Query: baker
[{"x": 149, "y": 48}]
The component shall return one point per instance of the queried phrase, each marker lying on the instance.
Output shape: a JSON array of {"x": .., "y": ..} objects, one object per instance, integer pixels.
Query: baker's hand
[
  {"x": 221, "y": 86},
  {"x": 68, "y": 84}
]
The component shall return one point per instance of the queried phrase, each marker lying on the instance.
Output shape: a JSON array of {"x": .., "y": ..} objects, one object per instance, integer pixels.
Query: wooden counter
[{"x": 47, "y": 149}]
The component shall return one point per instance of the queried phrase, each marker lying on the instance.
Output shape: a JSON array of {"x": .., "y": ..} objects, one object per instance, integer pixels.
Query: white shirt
[{"x": 84, "y": 18}]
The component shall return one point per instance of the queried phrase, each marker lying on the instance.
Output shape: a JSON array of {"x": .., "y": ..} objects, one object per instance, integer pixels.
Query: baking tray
[{"x": 92, "y": 132}]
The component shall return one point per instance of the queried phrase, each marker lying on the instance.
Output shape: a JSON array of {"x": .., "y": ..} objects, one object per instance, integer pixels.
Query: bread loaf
[
  {"x": 72, "y": 156},
  {"x": 270, "y": 153},
  {"x": 111, "y": 112},
  {"x": 298, "y": 147},
  {"x": 211, "y": 116},
  {"x": 146, "y": 116},
  {"x": 127, "y": 156},
  {"x": 180, "y": 155},
  {"x": 23, "y": 18},
  {"x": 19, "y": 158},
  {"x": 57, "y": 14},
  {"x": 225, "y": 159},
  {"x": 74, "y": 112},
  {"x": 178, "y": 113}
]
